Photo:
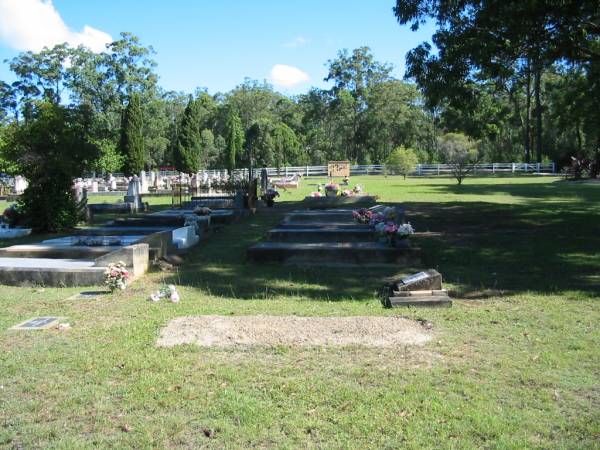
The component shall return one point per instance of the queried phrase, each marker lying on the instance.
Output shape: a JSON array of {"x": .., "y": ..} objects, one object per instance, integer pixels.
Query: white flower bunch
[
  {"x": 405, "y": 229},
  {"x": 169, "y": 291}
]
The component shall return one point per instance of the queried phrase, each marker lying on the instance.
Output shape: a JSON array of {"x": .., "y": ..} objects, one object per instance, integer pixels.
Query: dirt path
[{"x": 228, "y": 331}]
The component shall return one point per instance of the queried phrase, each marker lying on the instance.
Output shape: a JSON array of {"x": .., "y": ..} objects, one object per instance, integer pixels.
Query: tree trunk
[
  {"x": 538, "y": 112},
  {"x": 528, "y": 117}
]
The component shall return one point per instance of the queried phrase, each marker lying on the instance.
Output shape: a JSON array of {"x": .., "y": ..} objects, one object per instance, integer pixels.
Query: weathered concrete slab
[
  {"x": 332, "y": 202},
  {"x": 321, "y": 234},
  {"x": 55, "y": 251},
  {"x": 121, "y": 231},
  {"x": 49, "y": 272},
  {"x": 336, "y": 253},
  {"x": 321, "y": 225},
  {"x": 422, "y": 300}
]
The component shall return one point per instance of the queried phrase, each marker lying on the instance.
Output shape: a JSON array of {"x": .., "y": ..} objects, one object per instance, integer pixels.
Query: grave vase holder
[
  {"x": 331, "y": 192},
  {"x": 399, "y": 241}
]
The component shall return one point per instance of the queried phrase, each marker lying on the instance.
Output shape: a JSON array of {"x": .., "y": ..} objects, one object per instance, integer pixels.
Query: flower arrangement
[
  {"x": 116, "y": 276},
  {"x": 357, "y": 189},
  {"x": 362, "y": 215},
  {"x": 404, "y": 230},
  {"x": 377, "y": 218},
  {"x": 169, "y": 291},
  {"x": 332, "y": 187},
  {"x": 269, "y": 196},
  {"x": 347, "y": 193},
  {"x": 316, "y": 194}
]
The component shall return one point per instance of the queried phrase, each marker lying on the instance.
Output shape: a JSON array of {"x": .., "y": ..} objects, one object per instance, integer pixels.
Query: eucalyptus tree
[{"x": 494, "y": 40}]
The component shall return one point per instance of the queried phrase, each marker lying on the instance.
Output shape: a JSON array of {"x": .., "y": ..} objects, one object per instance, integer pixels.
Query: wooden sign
[{"x": 338, "y": 169}]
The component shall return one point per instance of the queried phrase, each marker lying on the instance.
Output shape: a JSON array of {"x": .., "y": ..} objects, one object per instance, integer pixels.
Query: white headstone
[
  {"x": 20, "y": 184},
  {"x": 94, "y": 186},
  {"x": 143, "y": 183}
]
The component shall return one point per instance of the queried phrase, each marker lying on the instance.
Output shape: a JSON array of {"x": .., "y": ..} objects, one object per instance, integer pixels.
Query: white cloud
[
  {"x": 297, "y": 42},
  {"x": 288, "y": 76},
  {"x": 35, "y": 24}
]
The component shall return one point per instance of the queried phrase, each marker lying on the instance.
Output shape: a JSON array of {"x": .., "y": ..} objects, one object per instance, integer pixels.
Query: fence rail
[{"x": 419, "y": 170}]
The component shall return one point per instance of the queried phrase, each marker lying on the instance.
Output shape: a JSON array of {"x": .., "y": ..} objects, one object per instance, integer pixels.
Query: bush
[
  {"x": 460, "y": 152},
  {"x": 401, "y": 161},
  {"x": 51, "y": 149}
]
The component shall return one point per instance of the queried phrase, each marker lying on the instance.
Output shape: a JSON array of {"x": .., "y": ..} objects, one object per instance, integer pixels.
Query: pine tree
[
  {"x": 234, "y": 139},
  {"x": 188, "y": 150},
  {"x": 132, "y": 137}
]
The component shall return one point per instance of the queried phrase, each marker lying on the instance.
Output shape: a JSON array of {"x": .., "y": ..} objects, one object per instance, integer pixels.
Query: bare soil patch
[{"x": 228, "y": 331}]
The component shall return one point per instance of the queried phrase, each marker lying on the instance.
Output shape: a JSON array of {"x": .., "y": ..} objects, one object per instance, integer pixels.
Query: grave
[
  {"x": 321, "y": 234},
  {"x": 334, "y": 253},
  {"x": 330, "y": 238},
  {"x": 419, "y": 289},
  {"x": 355, "y": 201}
]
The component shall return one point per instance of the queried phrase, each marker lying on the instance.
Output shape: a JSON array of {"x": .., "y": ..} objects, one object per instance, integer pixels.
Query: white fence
[{"x": 419, "y": 170}]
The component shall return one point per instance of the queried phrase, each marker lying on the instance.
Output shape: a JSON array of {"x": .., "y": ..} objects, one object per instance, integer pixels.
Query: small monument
[
  {"x": 133, "y": 194},
  {"x": 112, "y": 182},
  {"x": 143, "y": 183},
  {"x": 20, "y": 184}
]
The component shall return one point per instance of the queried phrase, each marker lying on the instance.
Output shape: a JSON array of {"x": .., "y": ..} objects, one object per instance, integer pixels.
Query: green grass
[{"x": 514, "y": 363}]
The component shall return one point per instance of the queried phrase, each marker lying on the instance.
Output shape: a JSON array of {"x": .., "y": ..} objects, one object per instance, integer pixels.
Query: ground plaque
[
  {"x": 88, "y": 295},
  {"x": 37, "y": 323}
]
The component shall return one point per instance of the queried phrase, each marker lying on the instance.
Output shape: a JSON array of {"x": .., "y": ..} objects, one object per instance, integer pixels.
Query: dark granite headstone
[{"x": 422, "y": 281}]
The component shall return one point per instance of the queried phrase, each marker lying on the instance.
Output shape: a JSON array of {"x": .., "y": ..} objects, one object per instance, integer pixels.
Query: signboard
[
  {"x": 338, "y": 169},
  {"x": 414, "y": 278}
]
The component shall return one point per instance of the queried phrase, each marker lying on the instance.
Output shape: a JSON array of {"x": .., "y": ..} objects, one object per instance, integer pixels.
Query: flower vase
[
  {"x": 399, "y": 241},
  {"x": 331, "y": 193}
]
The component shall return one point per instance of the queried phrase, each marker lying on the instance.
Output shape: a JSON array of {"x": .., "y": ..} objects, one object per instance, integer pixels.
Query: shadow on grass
[
  {"x": 559, "y": 190},
  {"x": 219, "y": 266},
  {"x": 476, "y": 246},
  {"x": 516, "y": 248}
]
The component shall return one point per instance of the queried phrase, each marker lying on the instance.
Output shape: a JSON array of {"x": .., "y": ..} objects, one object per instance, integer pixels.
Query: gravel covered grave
[{"x": 231, "y": 331}]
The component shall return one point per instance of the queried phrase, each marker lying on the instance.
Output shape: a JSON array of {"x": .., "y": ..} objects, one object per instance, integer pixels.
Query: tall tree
[
  {"x": 356, "y": 74},
  {"x": 234, "y": 137},
  {"x": 515, "y": 34},
  {"x": 188, "y": 151},
  {"x": 132, "y": 136}
]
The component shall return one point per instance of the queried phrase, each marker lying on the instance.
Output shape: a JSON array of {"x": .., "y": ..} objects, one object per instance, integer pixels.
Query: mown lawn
[{"x": 515, "y": 363}]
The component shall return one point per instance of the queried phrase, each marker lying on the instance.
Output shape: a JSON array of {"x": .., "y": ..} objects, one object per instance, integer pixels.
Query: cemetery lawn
[{"x": 514, "y": 364}]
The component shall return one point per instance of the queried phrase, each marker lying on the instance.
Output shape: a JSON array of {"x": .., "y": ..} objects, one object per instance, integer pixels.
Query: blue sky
[{"x": 216, "y": 44}]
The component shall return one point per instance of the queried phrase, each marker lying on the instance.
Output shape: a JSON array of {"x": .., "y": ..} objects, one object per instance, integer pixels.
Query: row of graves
[
  {"x": 137, "y": 240},
  {"x": 372, "y": 236}
]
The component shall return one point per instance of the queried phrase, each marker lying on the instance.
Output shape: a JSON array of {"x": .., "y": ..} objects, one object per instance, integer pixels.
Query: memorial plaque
[
  {"x": 338, "y": 169},
  {"x": 414, "y": 278},
  {"x": 426, "y": 280},
  {"x": 37, "y": 323}
]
